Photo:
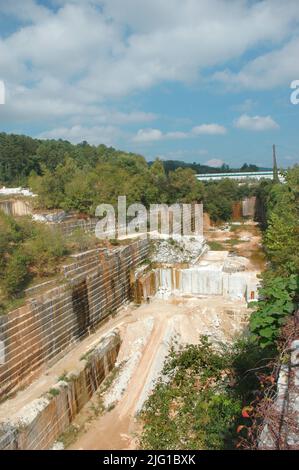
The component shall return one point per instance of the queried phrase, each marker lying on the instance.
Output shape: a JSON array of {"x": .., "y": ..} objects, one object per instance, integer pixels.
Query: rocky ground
[{"x": 178, "y": 250}]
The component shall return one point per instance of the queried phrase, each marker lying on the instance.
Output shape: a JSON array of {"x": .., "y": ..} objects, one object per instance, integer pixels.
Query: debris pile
[{"x": 178, "y": 250}]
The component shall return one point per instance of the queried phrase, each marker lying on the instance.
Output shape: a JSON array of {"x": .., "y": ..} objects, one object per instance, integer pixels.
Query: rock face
[
  {"x": 234, "y": 264},
  {"x": 96, "y": 285},
  {"x": 46, "y": 217},
  {"x": 39, "y": 423},
  {"x": 206, "y": 280},
  {"x": 16, "y": 207}
]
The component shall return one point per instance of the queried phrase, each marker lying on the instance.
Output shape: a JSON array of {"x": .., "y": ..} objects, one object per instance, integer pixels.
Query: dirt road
[{"x": 185, "y": 318}]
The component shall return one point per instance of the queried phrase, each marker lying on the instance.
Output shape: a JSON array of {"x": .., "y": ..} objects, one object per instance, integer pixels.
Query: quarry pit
[{"x": 99, "y": 344}]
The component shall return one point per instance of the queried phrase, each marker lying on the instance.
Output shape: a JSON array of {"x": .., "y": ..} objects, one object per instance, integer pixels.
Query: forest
[{"x": 79, "y": 177}]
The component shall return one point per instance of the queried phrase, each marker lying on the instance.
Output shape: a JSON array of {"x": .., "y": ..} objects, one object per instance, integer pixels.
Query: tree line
[{"x": 79, "y": 177}]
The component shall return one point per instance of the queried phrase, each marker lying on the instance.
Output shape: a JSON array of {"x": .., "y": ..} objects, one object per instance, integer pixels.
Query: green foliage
[
  {"x": 190, "y": 410},
  {"x": 27, "y": 249},
  {"x": 17, "y": 158},
  {"x": 54, "y": 392},
  {"x": 281, "y": 238},
  {"x": 16, "y": 275},
  {"x": 216, "y": 246},
  {"x": 277, "y": 302},
  {"x": 280, "y": 286},
  {"x": 44, "y": 249},
  {"x": 79, "y": 177},
  {"x": 197, "y": 401},
  {"x": 219, "y": 197},
  {"x": 80, "y": 240}
]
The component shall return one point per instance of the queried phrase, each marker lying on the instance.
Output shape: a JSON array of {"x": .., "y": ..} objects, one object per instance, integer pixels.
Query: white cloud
[
  {"x": 209, "y": 129},
  {"x": 215, "y": 162},
  {"x": 64, "y": 65},
  {"x": 152, "y": 135},
  {"x": 148, "y": 135},
  {"x": 256, "y": 123},
  {"x": 278, "y": 67},
  {"x": 94, "y": 135}
]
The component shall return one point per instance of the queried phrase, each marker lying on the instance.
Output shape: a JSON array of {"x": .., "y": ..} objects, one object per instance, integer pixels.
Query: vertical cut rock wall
[
  {"x": 36, "y": 335},
  {"x": 40, "y": 422}
]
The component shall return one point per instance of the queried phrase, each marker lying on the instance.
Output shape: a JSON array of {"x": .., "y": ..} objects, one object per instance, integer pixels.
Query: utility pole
[{"x": 275, "y": 169}]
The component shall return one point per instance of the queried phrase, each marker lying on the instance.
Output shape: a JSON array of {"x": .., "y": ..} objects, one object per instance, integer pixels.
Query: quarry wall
[
  {"x": 93, "y": 287},
  {"x": 198, "y": 280},
  {"x": 41, "y": 422},
  {"x": 249, "y": 206},
  {"x": 15, "y": 207}
]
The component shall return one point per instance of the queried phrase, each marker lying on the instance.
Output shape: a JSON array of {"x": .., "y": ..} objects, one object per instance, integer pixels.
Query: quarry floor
[
  {"x": 147, "y": 332},
  {"x": 243, "y": 239}
]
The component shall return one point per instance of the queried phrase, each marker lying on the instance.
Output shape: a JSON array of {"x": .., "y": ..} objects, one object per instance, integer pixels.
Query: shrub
[
  {"x": 16, "y": 274},
  {"x": 276, "y": 304},
  {"x": 44, "y": 249}
]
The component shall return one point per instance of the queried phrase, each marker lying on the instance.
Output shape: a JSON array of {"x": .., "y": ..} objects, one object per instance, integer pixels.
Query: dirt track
[{"x": 184, "y": 318}]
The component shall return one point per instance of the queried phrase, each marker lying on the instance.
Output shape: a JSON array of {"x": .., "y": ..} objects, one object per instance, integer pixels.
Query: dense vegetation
[
  {"x": 29, "y": 251},
  {"x": 216, "y": 399},
  {"x": 20, "y": 155},
  {"x": 199, "y": 405},
  {"x": 172, "y": 165},
  {"x": 79, "y": 177},
  {"x": 280, "y": 282}
]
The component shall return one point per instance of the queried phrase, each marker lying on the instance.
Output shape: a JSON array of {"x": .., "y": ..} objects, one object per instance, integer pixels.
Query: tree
[{"x": 184, "y": 187}]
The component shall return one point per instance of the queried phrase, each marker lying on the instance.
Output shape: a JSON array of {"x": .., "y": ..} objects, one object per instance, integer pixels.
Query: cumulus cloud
[
  {"x": 256, "y": 123},
  {"x": 278, "y": 67},
  {"x": 209, "y": 129},
  {"x": 64, "y": 66},
  {"x": 148, "y": 135},
  {"x": 151, "y": 135},
  {"x": 215, "y": 162},
  {"x": 94, "y": 135}
]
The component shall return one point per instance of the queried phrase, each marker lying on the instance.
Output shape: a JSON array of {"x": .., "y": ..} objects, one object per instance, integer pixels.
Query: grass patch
[
  {"x": 64, "y": 377},
  {"x": 69, "y": 436},
  {"x": 234, "y": 241},
  {"x": 216, "y": 246},
  {"x": 54, "y": 392}
]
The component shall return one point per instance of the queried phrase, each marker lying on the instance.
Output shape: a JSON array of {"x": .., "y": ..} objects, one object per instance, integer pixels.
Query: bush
[
  {"x": 193, "y": 405},
  {"x": 82, "y": 241},
  {"x": 16, "y": 274},
  {"x": 276, "y": 304},
  {"x": 44, "y": 249}
]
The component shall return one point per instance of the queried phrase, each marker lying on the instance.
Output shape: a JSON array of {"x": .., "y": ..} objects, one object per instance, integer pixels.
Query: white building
[{"x": 240, "y": 175}]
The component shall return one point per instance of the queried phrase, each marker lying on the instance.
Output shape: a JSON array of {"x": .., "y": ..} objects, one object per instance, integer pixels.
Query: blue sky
[{"x": 200, "y": 80}]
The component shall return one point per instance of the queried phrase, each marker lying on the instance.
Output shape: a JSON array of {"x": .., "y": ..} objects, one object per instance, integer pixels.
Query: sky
[{"x": 205, "y": 81}]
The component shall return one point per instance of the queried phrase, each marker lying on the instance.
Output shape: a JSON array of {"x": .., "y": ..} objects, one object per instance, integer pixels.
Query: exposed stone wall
[
  {"x": 15, "y": 207},
  {"x": 34, "y": 336},
  {"x": 40, "y": 422},
  {"x": 248, "y": 206},
  {"x": 69, "y": 226},
  {"x": 198, "y": 281}
]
